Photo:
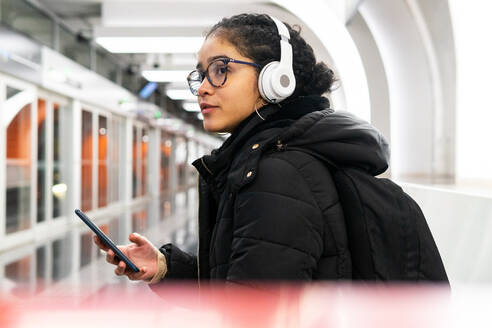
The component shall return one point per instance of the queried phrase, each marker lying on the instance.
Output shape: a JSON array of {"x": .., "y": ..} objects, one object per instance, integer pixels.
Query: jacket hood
[{"x": 340, "y": 137}]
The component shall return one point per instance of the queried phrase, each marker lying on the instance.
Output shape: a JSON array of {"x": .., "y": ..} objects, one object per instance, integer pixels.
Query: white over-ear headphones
[{"x": 276, "y": 80}]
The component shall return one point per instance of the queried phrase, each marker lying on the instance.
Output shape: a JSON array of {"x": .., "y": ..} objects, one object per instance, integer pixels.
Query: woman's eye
[{"x": 222, "y": 69}]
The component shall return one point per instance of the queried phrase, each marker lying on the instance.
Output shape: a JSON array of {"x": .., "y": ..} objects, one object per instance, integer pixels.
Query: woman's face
[{"x": 224, "y": 107}]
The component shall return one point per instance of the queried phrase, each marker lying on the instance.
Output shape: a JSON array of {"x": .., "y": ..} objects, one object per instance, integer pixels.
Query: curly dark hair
[{"x": 255, "y": 36}]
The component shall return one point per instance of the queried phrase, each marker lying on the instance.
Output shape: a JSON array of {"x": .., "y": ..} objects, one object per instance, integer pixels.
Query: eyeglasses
[{"x": 216, "y": 73}]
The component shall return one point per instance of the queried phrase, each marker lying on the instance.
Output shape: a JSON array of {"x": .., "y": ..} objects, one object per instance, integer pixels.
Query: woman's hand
[{"x": 141, "y": 252}]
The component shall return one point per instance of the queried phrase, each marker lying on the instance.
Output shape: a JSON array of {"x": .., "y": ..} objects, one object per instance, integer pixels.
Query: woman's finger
[
  {"x": 138, "y": 239},
  {"x": 100, "y": 244},
  {"x": 120, "y": 269},
  {"x": 137, "y": 275},
  {"x": 111, "y": 258}
]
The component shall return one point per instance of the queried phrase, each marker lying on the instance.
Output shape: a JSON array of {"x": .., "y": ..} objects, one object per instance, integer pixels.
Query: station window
[
  {"x": 18, "y": 146},
  {"x": 86, "y": 169}
]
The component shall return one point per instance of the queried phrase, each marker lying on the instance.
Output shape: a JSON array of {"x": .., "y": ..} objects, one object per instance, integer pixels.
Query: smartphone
[{"x": 106, "y": 240}]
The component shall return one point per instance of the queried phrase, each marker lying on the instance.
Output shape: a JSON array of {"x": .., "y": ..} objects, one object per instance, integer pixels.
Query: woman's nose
[{"x": 205, "y": 88}]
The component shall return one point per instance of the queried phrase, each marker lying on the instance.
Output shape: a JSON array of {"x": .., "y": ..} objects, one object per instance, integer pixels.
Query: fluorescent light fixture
[
  {"x": 150, "y": 44},
  {"x": 191, "y": 107},
  {"x": 165, "y": 75},
  {"x": 181, "y": 94},
  {"x": 147, "y": 90}
]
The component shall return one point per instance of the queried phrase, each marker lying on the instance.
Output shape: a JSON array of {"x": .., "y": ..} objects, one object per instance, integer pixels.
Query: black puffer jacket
[{"x": 270, "y": 213}]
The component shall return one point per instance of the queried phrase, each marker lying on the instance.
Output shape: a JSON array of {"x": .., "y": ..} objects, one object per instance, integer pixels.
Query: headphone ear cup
[{"x": 265, "y": 82}]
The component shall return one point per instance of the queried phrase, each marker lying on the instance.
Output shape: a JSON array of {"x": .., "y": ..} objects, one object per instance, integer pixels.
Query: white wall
[
  {"x": 461, "y": 223},
  {"x": 472, "y": 27}
]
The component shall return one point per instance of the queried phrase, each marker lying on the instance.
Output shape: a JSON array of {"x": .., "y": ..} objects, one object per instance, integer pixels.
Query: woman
[{"x": 265, "y": 213}]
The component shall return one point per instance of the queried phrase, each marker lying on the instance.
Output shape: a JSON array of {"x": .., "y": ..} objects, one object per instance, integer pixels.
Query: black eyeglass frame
[{"x": 205, "y": 73}]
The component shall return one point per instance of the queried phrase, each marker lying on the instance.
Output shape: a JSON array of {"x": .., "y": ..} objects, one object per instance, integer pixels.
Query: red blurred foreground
[{"x": 321, "y": 305}]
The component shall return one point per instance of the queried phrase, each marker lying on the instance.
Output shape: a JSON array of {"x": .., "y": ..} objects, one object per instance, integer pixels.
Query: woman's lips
[{"x": 208, "y": 109}]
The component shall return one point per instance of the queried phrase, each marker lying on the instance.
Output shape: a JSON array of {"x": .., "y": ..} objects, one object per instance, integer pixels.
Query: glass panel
[
  {"x": 114, "y": 227},
  {"x": 103, "y": 163},
  {"x": 166, "y": 145},
  {"x": 59, "y": 187},
  {"x": 114, "y": 162},
  {"x": 144, "y": 149},
  {"x": 134, "y": 162},
  {"x": 18, "y": 163},
  {"x": 85, "y": 248},
  {"x": 62, "y": 256},
  {"x": 86, "y": 181},
  {"x": 19, "y": 272},
  {"x": 192, "y": 156},
  {"x": 12, "y": 92},
  {"x": 139, "y": 221},
  {"x": 181, "y": 155},
  {"x": 40, "y": 268},
  {"x": 41, "y": 185},
  {"x": 75, "y": 48},
  {"x": 25, "y": 18}
]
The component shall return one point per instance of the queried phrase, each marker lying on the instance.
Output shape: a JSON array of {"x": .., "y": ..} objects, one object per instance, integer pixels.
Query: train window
[
  {"x": 18, "y": 144},
  {"x": 102, "y": 176},
  {"x": 86, "y": 169}
]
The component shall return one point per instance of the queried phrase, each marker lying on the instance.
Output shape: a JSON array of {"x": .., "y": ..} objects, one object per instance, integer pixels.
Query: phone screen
[{"x": 106, "y": 240}]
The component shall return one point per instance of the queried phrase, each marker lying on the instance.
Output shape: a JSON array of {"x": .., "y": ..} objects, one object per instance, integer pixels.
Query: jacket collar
[{"x": 214, "y": 167}]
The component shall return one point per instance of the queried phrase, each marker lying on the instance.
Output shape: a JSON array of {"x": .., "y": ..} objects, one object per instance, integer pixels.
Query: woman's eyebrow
[{"x": 210, "y": 59}]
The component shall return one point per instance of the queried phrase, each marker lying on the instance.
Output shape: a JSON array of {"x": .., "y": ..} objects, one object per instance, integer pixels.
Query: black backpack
[{"x": 388, "y": 236}]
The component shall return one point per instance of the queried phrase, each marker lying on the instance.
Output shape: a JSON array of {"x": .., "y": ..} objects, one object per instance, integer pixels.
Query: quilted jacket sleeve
[{"x": 278, "y": 226}]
